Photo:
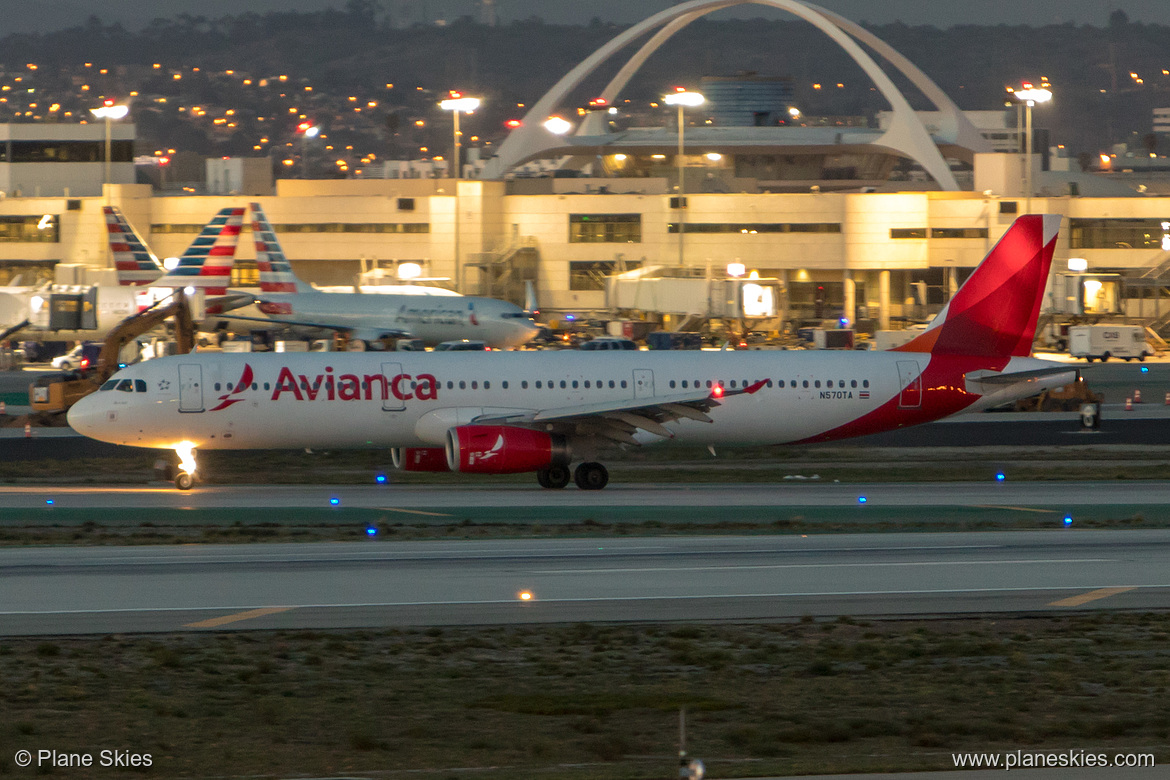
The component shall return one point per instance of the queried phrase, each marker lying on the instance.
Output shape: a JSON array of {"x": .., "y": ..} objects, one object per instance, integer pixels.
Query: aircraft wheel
[
  {"x": 554, "y": 477},
  {"x": 591, "y": 476},
  {"x": 1105, "y": 357},
  {"x": 184, "y": 481},
  {"x": 1142, "y": 358}
]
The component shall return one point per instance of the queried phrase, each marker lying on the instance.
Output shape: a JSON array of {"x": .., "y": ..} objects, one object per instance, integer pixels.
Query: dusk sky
[{"x": 46, "y": 15}]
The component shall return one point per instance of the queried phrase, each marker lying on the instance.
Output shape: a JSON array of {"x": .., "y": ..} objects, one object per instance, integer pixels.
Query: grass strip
[{"x": 594, "y": 701}]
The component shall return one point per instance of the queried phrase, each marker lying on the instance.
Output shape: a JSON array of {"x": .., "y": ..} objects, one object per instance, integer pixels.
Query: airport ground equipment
[
  {"x": 55, "y": 393},
  {"x": 1101, "y": 342}
]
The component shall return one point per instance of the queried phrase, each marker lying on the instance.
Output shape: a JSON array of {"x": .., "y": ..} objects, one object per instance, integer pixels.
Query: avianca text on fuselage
[{"x": 351, "y": 387}]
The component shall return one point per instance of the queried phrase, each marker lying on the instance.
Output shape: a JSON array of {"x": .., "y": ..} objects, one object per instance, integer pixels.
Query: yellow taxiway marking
[
  {"x": 414, "y": 512},
  {"x": 1093, "y": 595},
  {"x": 251, "y": 613},
  {"x": 1016, "y": 508}
]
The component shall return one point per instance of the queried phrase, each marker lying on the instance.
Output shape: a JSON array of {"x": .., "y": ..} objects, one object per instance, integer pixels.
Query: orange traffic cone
[
  {"x": 27, "y": 431},
  {"x": 1129, "y": 404},
  {"x": 1137, "y": 396}
]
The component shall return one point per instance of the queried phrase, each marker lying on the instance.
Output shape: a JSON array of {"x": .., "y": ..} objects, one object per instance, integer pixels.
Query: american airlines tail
[
  {"x": 994, "y": 313},
  {"x": 134, "y": 262},
  {"x": 276, "y": 275},
  {"x": 207, "y": 263}
]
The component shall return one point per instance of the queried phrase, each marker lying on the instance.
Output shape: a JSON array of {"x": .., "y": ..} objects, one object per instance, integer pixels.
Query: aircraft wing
[
  {"x": 618, "y": 420},
  {"x": 230, "y": 301},
  {"x": 363, "y": 332}
]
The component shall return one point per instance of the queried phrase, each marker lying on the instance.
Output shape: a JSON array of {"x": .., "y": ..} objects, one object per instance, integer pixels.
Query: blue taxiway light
[
  {"x": 49, "y": 501},
  {"x": 1145, "y": 369},
  {"x": 862, "y": 499},
  {"x": 380, "y": 479},
  {"x": 1000, "y": 476},
  {"x": 1067, "y": 520},
  {"x": 335, "y": 501},
  {"x": 371, "y": 531}
]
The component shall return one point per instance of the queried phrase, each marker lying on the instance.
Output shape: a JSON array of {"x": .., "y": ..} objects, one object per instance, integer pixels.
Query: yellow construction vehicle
[{"x": 55, "y": 393}]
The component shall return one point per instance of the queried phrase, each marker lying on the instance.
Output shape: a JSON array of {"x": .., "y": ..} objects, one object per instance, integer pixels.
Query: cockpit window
[
  {"x": 108, "y": 385},
  {"x": 140, "y": 385},
  {"x": 126, "y": 386}
]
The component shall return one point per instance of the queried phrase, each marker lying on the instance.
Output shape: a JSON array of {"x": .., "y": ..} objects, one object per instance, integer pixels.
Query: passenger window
[
  {"x": 841, "y": 383},
  {"x": 265, "y": 385},
  {"x": 523, "y": 385},
  {"x": 817, "y": 383},
  {"x": 611, "y": 384},
  {"x": 450, "y": 385},
  {"x": 537, "y": 384},
  {"x": 770, "y": 383},
  {"x": 217, "y": 386},
  {"x": 623, "y": 384},
  {"x": 574, "y": 384},
  {"x": 474, "y": 385},
  {"x": 779, "y": 383},
  {"x": 462, "y": 385},
  {"x": 672, "y": 384},
  {"x": 562, "y": 384},
  {"x": 853, "y": 383},
  {"x": 806, "y": 383},
  {"x": 684, "y": 384},
  {"x": 586, "y": 384},
  {"x": 253, "y": 385},
  {"x": 140, "y": 385},
  {"x": 865, "y": 383},
  {"x": 732, "y": 384},
  {"x": 708, "y": 383}
]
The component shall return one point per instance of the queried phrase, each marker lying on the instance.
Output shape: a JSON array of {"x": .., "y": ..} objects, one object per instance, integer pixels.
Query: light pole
[
  {"x": 307, "y": 131},
  {"x": 1031, "y": 96},
  {"x": 109, "y": 112},
  {"x": 456, "y": 104},
  {"x": 682, "y": 99}
]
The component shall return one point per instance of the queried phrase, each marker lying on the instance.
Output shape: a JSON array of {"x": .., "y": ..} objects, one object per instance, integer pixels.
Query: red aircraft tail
[{"x": 994, "y": 313}]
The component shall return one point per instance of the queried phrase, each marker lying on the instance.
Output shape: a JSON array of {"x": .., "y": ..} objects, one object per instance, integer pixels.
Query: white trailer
[{"x": 1101, "y": 342}]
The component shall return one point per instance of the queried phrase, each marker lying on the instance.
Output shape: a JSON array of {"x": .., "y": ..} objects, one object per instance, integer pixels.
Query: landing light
[{"x": 524, "y": 595}]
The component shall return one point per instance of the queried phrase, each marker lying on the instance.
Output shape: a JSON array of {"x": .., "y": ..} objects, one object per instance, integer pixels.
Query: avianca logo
[
  {"x": 351, "y": 387},
  {"x": 233, "y": 396},
  {"x": 338, "y": 387},
  {"x": 482, "y": 455}
]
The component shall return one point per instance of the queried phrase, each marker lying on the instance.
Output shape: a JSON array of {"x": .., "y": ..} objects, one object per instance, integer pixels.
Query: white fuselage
[
  {"x": 431, "y": 318},
  {"x": 355, "y": 400}
]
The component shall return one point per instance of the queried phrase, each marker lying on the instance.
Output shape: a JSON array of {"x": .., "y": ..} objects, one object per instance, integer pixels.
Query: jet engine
[
  {"x": 502, "y": 449},
  {"x": 419, "y": 458}
]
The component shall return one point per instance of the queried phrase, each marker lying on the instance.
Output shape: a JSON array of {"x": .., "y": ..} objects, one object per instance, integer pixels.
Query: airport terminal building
[{"x": 877, "y": 223}]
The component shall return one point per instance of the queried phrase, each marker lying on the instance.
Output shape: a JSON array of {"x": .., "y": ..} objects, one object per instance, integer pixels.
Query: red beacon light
[{"x": 717, "y": 391}]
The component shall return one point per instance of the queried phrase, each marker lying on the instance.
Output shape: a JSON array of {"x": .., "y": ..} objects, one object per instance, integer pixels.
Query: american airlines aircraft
[
  {"x": 507, "y": 412},
  {"x": 366, "y": 318}
]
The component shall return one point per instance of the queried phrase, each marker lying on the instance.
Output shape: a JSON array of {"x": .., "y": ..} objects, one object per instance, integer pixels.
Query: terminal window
[
  {"x": 590, "y": 274},
  {"x": 750, "y": 228},
  {"x": 908, "y": 232},
  {"x": 28, "y": 230},
  {"x": 976, "y": 232},
  {"x": 65, "y": 151},
  {"x": 605, "y": 228},
  {"x": 1118, "y": 233}
]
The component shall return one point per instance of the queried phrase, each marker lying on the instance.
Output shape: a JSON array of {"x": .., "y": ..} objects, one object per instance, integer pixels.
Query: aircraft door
[
  {"x": 910, "y": 380},
  {"x": 190, "y": 387},
  {"x": 393, "y": 402},
  {"x": 643, "y": 383},
  {"x": 88, "y": 316}
]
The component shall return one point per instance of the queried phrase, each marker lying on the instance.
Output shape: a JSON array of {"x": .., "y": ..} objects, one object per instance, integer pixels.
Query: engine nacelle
[
  {"x": 502, "y": 449},
  {"x": 419, "y": 458}
]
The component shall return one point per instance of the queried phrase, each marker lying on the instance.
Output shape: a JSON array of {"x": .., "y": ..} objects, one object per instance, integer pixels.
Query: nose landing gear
[{"x": 185, "y": 478}]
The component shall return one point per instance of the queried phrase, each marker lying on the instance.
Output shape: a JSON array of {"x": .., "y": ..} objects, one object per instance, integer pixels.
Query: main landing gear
[{"x": 588, "y": 476}]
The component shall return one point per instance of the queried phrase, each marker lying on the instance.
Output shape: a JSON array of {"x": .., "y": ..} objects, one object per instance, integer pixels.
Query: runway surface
[
  {"x": 86, "y": 590},
  {"x": 725, "y": 495}
]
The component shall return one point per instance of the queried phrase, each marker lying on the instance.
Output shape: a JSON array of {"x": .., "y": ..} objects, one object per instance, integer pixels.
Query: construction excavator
[{"x": 53, "y": 394}]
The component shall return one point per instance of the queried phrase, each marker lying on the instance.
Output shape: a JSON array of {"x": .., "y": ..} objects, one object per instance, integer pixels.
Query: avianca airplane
[
  {"x": 285, "y": 299},
  {"x": 506, "y": 412}
]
